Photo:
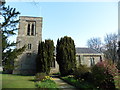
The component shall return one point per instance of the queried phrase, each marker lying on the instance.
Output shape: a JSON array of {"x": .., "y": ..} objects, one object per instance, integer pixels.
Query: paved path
[{"x": 63, "y": 84}]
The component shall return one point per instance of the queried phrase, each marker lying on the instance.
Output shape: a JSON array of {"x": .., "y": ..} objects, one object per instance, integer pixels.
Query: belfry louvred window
[
  {"x": 28, "y": 29},
  {"x": 31, "y": 28},
  {"x": 32, "y": 31}
]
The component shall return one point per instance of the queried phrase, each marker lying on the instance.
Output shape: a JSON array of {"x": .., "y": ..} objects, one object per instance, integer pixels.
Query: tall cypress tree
[
  {"x": 66, "y": 55},
  {"x": 45, "y": 56},
  {"x": 40, "y": 58},
  {"x": 49, "y": 45}
]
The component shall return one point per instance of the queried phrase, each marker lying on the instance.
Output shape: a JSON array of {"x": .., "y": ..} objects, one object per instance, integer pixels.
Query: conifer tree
[
  {"x": 8, "y": 27},
  {"x": 41, "y": 59},
  {"x": 45, "y": 56},
  {"x": 49, "y": 45},
  {"x": 66, "y": 55}
]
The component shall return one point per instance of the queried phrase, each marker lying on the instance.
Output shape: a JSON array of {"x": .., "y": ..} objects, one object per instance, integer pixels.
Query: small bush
[
  {"x": 40, "y": 76},
  {"x": 81, "y": 72},
  {"x": 78, "y": 83},
  {"x": 117, "y": 82},
  {"x": 103, "y": 75},
  {"x": 58, "y": 73}
]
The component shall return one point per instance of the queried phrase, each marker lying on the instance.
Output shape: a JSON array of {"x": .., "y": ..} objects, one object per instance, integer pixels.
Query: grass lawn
[{"x": 16, "y": 81}]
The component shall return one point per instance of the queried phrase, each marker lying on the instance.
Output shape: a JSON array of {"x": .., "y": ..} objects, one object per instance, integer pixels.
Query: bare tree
[
  {"x": 111, "y": 47},
  {"x": 94, "y": 43}
]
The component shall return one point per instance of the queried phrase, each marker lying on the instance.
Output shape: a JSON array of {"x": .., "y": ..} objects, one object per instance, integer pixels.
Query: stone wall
[
  {"x": 54, "y": 69},
  {"x": 84, "y": 59}
]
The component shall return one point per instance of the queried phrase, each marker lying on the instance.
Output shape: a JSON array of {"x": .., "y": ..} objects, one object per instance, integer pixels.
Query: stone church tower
[{"x": 29, "y": 34}]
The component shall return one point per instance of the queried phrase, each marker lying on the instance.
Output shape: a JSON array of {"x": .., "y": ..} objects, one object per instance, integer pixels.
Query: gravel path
[{"x": 62, "y": 84}]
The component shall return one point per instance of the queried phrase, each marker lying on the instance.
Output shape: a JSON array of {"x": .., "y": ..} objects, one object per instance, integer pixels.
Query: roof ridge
[
  {"x": 81, "y": 47},
  {"x": 86, "y": 50},
  {"x": 95, "y": 50}
]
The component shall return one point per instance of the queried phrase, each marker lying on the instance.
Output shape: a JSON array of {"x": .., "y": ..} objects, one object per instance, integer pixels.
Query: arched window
[
  {"x": 32, "y": 31},
  {"x": 100, "y": 58},
  {"x": 29, "y": 46},
  {"x": 92, "y": 61},
  {"x": 28, "y": 29},
  {"x": 79, "y": 59}
]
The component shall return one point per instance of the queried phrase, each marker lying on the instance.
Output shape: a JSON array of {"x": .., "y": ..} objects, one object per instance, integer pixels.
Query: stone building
[
  {"x": 88, "y": 56},
  {"x": 29, "y": 34}
]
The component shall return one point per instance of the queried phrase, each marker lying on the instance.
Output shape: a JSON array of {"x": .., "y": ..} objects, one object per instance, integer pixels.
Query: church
[{"x": 30, "y": 34}]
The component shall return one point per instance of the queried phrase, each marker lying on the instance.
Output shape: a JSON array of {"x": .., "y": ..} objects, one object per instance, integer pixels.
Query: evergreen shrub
[
  {"x": 82, "y": 72},
  {"x": 40, "y": 76}
]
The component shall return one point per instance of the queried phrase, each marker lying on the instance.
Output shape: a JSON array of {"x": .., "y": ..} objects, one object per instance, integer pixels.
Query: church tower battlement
[{"x": 29, "y": 34}]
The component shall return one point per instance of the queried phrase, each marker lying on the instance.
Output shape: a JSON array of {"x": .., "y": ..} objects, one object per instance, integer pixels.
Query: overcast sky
[{"x": 79, "y": 20}]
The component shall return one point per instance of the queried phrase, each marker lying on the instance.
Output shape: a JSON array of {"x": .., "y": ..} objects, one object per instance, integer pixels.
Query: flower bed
[
  {"x": 43, "y": 81},
  {"x": 46, "y": 84},
  {"x": 78, "y": 83}
]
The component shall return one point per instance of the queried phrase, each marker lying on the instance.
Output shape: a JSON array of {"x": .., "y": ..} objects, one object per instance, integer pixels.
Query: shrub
[
  {"x": 117, "y": 81},
  {"x": 40, "y": 76},
  {"x": 81, "y": 83},
  {"x": 103, "y": 73},
  {"x": 58, "y": 73},
  {"x": 81, "y": 72}
]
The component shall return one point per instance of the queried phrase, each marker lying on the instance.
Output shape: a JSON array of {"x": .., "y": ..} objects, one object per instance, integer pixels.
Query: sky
[{"x": 79, "y": 20}]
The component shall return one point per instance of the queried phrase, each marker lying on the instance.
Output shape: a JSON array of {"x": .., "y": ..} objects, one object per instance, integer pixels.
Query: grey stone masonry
[{"x": 29, "y": 34}]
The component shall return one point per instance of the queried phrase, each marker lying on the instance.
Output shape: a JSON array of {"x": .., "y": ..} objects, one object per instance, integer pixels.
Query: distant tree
[
  {"x": 111, "y": 47},
  {"x": 8, "y": 27},
  {"x": 45, "y": 56},
  {"x": 66, "y": 55},
  {"x": 94, "y": 43}
]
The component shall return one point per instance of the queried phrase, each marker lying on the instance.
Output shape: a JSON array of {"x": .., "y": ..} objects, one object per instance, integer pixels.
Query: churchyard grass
[{"x": 17, "y": 81}]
